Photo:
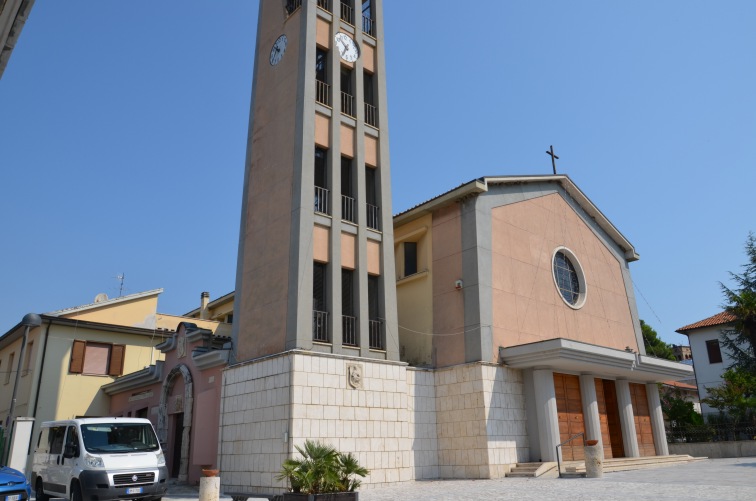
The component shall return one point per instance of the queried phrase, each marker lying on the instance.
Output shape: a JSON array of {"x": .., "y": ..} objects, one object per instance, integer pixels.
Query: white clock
[
  {"x": 278, "y": 49},
  {"x": 347, "y": 47}
]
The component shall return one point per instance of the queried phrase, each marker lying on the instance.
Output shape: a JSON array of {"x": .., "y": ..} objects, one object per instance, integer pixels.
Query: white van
[{"x": 99, "y": 459}]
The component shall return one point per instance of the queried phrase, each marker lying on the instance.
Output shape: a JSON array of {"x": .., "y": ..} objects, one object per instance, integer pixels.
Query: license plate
[
  {"x": 14, "y": 497},
  {"x": 134, "y": 490}
]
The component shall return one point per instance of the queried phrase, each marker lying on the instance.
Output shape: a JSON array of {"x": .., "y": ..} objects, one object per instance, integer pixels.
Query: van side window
[
  {"x": 72, "y": 439},
  {"x": 43, "y": 444},
  {"x": 56, "y": 439}
]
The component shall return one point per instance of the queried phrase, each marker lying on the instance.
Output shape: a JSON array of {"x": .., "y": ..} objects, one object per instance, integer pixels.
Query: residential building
[
  {"x": 710, "y": 359},
  {"x": 13, "y": 16},
  {"x": 73, "y": 353},
  {"x": 681, "y": 352}
]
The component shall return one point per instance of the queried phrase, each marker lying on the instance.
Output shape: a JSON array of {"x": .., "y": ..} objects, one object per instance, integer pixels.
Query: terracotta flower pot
[
  {"x": 591, "y": 442},
  {"x": 209, "y": 472}
]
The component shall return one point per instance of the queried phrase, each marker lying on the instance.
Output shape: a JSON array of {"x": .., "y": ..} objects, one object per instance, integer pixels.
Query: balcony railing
[
  {"x": 376, "y": 334},
  {"x": 347, "y": 209},
  {"x": 347, "y": 13},
  {"x": 373, "y": 217},
  {"x": 371, "y": 115},
  {"x": 323, "y": 93},
  {"x": 349, "y": 330},
  {"x": 321, "y": 200},
  {"x": 325, "y": 5},
  {"x": 368, "y": 26},
  {"x": 347, "y": 104},
  {"x": 292, "y": 5},
  {"x": 320, "y": 326}
]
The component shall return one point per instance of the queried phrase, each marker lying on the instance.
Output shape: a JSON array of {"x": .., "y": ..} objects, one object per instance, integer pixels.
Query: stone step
[
  {"x": 626, "y": 464},
  {"x": 577, "y": 468},
  {"x": 533, "y": 470}
]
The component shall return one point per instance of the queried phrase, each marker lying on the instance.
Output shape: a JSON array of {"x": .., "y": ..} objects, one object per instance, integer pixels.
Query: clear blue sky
[{"x": 123, "y": 134}]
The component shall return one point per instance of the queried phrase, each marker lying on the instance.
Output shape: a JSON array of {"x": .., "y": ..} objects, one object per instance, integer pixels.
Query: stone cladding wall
[{"x": 402, "y": 423}]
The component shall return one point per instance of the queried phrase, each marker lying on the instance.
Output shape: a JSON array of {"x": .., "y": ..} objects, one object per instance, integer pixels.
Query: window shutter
[
  {"x": 77, "y": 357},
  {"x": 116, "y": 360}
]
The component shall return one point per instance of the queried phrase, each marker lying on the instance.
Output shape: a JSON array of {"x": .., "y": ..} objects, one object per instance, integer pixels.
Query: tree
[
  {"x": 740, "y": 302},
  {"x": 736, "y": 396},
  {"x": 653, "y": 343}
]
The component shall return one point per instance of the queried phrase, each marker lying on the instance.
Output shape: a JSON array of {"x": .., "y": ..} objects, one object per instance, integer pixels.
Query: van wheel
[
  {"x": 39, "y": 492},
  {"x": 76, "y": 492}
]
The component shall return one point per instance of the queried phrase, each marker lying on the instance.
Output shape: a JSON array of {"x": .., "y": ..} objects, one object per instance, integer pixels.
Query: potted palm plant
[{"x": 322, "y": 474}]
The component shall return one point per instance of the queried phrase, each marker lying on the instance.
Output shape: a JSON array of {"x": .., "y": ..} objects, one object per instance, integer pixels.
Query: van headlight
[
  {"x": 161, "y": 459},
  {"x": 94, "y": 461}
]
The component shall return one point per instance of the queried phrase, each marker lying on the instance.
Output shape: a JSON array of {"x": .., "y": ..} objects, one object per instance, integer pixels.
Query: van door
[
  {"x": 56, "y": 482},
  {"x": 70, "y": 455}
]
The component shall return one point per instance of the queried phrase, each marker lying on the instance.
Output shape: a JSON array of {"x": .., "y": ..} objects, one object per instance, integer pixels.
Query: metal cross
[{"x": 554, "y": 158}]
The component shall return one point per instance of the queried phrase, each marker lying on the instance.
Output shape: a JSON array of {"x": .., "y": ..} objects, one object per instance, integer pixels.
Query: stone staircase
[
  {"x": 534, "y": 470},
  {"x": 577, "y": 468}
]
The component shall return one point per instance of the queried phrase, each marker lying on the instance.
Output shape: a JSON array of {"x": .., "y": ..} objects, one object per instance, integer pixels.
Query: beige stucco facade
[
  {"x": 527, "y": 306},
  {"x": 414, "y": 293}
]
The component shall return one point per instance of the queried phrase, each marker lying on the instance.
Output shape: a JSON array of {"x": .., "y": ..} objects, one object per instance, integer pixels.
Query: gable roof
[
  {"x": 718, "y": 319},
  {"x": 481, "y": 185},
  {"x": 107, "y": 302}
]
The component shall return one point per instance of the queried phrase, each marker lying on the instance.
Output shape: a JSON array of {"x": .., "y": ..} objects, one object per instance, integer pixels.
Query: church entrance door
[
  {"x": 642, "y": 418},
  {"x": 570, "y": 414},
  {"x": 611, "y": 429}
]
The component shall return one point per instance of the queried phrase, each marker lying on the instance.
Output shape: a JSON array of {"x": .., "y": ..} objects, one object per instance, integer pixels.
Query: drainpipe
[
  {"x": 38, "y": 379},
  {"x": 30, "y": 320}
]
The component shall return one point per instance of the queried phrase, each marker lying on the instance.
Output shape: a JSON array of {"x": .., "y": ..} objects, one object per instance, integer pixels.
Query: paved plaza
[{"x": 713, "y": 479}]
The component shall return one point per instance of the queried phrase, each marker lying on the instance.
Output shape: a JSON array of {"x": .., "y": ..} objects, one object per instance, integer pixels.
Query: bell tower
[{"x": 316, "y": 258}]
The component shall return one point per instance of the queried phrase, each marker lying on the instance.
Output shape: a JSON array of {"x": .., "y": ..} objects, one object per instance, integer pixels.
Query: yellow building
[{"x": 56, "y": 369}]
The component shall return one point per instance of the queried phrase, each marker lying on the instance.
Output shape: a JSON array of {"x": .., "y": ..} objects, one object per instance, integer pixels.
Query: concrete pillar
[
  {"x": 657, "y": 419},
  {"x": 209, "y": 489},
  {"x": 590, "y": 409},
  {"x": 546, "y": 411},
  {"x": 627, "y": 421}
]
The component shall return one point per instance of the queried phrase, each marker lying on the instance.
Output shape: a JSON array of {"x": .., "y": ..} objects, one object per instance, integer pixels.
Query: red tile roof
[
  {"x": 718, "y": 319},
  {"x": 678, "y": 384}
]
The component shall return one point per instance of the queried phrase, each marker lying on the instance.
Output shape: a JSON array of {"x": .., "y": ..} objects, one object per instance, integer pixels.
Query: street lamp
[{"x": 30, "y": 320}]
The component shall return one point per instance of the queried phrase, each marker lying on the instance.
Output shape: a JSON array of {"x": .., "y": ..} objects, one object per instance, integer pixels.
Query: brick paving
[{"x": 710, "y": 480}]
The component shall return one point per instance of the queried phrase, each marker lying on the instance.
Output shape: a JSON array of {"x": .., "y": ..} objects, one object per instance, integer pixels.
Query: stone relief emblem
[
  {"x": 354, "y": 375},
  {"x": 181, "y": 342}
]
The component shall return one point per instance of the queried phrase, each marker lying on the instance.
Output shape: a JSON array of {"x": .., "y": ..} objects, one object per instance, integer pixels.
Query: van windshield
[{"x": 113, "y": 438}]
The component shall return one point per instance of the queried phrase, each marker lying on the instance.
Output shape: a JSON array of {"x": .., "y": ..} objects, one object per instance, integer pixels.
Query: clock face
[
  {"x": 347, "y": 47},
  {"x": 278, "y": 49}
]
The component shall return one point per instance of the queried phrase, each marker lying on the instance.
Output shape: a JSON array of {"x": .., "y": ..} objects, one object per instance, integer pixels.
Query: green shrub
[{"x": 322, "y": 469}]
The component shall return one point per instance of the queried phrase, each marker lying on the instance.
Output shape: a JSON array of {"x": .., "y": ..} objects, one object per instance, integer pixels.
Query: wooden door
[
  {"x": 606, "y": 438},
  {"x": 613, "y": 419},
  {"x": 642, "y": 417},
  {"x": 570, "y": 414}
]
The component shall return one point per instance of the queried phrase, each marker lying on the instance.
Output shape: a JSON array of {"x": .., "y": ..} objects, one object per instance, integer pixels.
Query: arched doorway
[{"x": 175, "y": 416}]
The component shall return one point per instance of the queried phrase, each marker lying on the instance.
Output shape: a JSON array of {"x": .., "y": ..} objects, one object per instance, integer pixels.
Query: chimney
[{"x": 204, "y": 300}]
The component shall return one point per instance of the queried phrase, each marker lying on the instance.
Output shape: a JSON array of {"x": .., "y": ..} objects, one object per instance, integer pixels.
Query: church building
[{"x": 472, "y": 332}]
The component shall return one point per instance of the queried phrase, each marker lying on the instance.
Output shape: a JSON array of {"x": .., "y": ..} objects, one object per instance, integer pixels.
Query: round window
[{"x": 568, "y": 277}]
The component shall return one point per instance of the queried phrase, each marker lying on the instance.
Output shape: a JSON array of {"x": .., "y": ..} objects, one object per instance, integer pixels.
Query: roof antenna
[{"x": 121, "y": 277}]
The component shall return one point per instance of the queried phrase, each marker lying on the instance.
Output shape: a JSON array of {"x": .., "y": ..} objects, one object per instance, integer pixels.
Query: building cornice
[
  {"x": 147, "y": 376},
  {"x": 206, "y": 359},
  {"x": 565, "y": 355},
  {"x": 481, "y": 185}
]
